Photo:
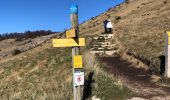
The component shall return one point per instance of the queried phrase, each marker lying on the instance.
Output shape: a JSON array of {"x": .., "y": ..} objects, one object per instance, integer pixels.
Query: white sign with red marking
[{"x": 78, "y": 78}]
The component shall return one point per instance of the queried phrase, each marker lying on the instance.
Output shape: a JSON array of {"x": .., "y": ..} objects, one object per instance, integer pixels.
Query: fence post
[{"x": 167, "y": 55}]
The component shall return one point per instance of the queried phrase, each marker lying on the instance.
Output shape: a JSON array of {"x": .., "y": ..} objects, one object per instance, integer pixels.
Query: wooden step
[
  {"x": 101, "y": 48},
  {"x": 103, "y": 37},
  {"x": 102, "y": 43},
  {"x": 109, "y": 53},
  {"x": 105, "y": 45}
]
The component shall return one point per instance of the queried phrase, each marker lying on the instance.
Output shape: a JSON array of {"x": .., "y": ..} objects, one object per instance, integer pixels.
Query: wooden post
[
  {"x": 167, "y": 55},
  {"x": 73, "y": 40},
  {"x": 75, "y": 50}
]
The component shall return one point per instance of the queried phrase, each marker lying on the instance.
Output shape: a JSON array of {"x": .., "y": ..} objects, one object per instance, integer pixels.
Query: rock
[
  {"x": 95, "y": 98},
  {"x": 137, "y": 98}
]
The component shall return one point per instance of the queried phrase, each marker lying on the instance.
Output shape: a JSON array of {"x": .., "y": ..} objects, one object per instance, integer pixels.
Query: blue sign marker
[{"x": 74, "y": 9}]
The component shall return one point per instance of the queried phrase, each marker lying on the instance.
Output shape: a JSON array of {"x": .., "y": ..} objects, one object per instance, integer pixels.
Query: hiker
[
  {"x": 108, "y": 26},
  {"x": 105, "y": 24}
]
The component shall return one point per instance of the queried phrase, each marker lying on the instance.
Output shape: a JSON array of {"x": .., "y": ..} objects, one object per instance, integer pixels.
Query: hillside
[
  {"x": 46, "y": 73},
  {"x": 12, "y": 47},
  {"x": 40, "y": 72},
  {"x": 140, "y": 26}
]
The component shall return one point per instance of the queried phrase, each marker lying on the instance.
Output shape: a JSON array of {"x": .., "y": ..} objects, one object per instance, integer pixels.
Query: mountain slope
[
  {"x": 46, "y": 73},
  {"x": 140, "y": 26},
  {"x": 43, "y": 72}
]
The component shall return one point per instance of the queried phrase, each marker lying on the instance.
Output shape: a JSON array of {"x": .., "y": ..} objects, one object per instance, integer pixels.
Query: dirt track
[{"x": 135, "y": 78}]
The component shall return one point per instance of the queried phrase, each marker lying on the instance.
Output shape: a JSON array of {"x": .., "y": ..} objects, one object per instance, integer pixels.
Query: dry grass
[
  {"x": 48, "y": 76},
  {"x": 45, "y": 76},
  {"x": 140, "y": 30},
  {"x": 106, "y": 86},
  {"x": 92, "y": 63},
  {"x": 145, "y": 43}
]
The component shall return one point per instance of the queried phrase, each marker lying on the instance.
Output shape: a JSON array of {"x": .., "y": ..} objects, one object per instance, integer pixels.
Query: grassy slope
[
  {"x": 140, "y": 28},
  {"x": 48, "y": 75},
  {"x": 104, "y": 85}
]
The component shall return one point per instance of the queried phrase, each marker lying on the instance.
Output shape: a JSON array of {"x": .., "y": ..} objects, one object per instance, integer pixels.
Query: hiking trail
[{"x": 135, "y": 77}]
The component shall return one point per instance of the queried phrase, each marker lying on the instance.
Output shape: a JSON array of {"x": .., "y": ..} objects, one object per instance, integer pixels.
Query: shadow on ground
[
  {"x": 162, "y": 65},
  {"x": 87, "y": 92}
]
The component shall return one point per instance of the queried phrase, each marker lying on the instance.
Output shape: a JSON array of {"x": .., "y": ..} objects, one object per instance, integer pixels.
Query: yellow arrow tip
[{"x": 168, "y": 32}]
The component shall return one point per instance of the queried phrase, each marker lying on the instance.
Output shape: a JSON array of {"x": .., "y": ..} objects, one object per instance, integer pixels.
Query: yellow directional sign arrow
[
  {"x": 68, "y": 42},
  {"x": 71, "y": 33}
]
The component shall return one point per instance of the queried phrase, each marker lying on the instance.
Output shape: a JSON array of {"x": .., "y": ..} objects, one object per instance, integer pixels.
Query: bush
[
  {"x": 165, "y": 2},
  {"x": 117, "y": 17},
  {"x": 16, "y": 51}
]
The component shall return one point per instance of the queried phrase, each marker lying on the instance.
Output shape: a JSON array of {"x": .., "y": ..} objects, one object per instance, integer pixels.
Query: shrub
[
  {"x": 165, "y": 2},
  {"x": 16, "y": 51},
  {"x": 117, "y": 17}
]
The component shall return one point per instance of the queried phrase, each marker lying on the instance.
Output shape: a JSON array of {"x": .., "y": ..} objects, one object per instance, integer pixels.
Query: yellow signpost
[
  {"x": 71, "y": 33},
  {"x": 68, "y": 42},
  {"x": 78, "y": 61},
  {"x": 168, "y": 37},
  {"x": 73, "y": 40},
  {"x": 168, "y": 33},
  {"x": 167, "y": 55}
]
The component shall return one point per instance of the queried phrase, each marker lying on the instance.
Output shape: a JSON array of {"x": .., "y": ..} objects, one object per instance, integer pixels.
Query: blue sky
[{"x": 23, "y": 15}]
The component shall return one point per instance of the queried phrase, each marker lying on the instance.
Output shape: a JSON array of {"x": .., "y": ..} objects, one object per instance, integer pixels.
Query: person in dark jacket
[
  {"x": 105, "y": 24},
  {"x": 108, "y": 26}
]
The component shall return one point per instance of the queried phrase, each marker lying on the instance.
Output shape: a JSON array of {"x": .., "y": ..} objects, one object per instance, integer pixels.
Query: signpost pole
[
  {"x": 75, "y": 50},
  {"x": 73, "y": 40},
  {"x": 167, "y": 56}
]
